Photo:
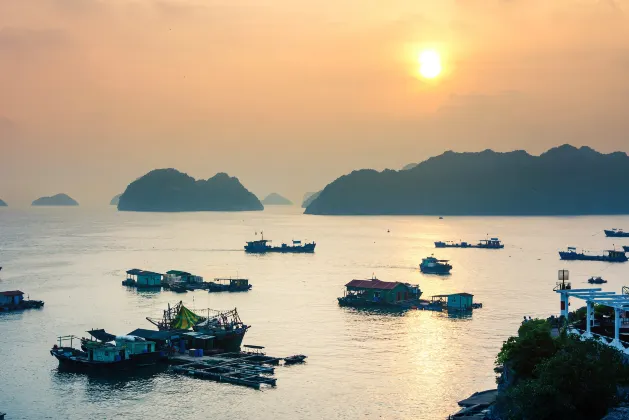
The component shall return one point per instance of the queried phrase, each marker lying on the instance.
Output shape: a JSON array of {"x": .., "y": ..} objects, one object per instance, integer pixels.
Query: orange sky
[{"x": 288, "y": 95}]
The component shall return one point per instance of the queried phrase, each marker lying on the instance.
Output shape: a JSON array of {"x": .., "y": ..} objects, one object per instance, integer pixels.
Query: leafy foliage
[{"x": 558, "y": 378}]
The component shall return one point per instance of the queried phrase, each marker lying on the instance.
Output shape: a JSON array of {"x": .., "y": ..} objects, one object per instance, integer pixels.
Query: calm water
[{"x": 360, "y": 365}]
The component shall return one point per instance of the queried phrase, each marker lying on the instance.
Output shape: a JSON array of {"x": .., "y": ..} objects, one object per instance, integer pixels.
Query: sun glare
[{"x": 429, "y": 64}]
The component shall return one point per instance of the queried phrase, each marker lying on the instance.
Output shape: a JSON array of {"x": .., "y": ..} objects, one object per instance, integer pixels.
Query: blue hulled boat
[
  {"x": 571, "y": 254},
  {"x": 432, "y": 265},
  {"x": 616, "y": 233},
  {"x": 262, "y": 246}
]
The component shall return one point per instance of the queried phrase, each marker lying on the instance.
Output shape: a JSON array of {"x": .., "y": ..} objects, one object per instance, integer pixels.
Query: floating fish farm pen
[{"x": 252, "y": 369}]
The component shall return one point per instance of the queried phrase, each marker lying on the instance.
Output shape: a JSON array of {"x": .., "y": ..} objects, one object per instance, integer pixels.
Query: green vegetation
[{"x": 557, "y": 378}]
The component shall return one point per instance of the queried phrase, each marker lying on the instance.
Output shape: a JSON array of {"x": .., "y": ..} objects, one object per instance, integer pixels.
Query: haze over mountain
[
  {"x": 274, "y": 199},
  {"x": 168, "y": 190},
  {"x": 563, "y": 181},
  {"x": 309, "y": 197},
  {"x": 114, "y": 201},
  {"x": 55, "y": 200},
  {"x": 293, "y": 96}
]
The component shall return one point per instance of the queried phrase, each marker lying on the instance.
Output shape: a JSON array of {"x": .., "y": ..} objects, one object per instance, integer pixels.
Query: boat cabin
[
  {"x": 455, "y": 301},
  {"x": 13, "y": 297},
  {"x": 142, "y": 278},
  {"x": 375, "y": 290}
]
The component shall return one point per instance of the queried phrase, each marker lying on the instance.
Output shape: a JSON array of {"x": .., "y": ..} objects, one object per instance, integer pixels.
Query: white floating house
[
  {"x": 456, "y": 301},
  {"x": 141, "y": 278}
]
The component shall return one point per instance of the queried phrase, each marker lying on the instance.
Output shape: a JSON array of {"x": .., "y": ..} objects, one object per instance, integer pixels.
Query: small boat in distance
[
  {"x": 571, "y": 254},
  {"x": 493, "y": 243},
  {"x": 432, "y": 265},
  {"x": 297, "y": 358},
  {"x": 616, "y": 233},
  {"x": 596, "y": 280},
  {"x": 229, "y": 285},
  {"x": 262, "y": 246}
]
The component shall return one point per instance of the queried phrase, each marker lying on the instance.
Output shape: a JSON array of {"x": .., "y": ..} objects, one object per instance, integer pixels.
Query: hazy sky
[{"x": 289, "y": 94}]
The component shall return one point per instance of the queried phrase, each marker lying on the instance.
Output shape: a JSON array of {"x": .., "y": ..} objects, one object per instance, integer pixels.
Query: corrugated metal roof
[
  {"x": 373, "y": 284},
  {"x": 12, "y": 293}
]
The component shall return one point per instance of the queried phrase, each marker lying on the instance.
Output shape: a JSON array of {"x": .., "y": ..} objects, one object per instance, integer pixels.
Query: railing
[{"x": 608, "y": 341}]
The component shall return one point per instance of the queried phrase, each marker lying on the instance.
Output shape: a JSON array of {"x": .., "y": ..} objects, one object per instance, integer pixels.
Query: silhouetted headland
[
  {"x": 562, "y": 181},
  {"x": 55, "y": 200},
  {"x": 2, "y": 203},
  {"x": 274, "y": 199},
  {"x": 114, "y": 201},
  {"x": 309, "y": 197},
  {"x": 168, "y": 190}
]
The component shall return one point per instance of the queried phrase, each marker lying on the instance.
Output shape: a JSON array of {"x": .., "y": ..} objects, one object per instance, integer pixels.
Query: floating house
[
  {"x": 376, "y": 292},
  {"x": 14, "y": 300},
  {"x": 13, "y": 297},
  {"x": 142, "y": 278},
  {"x": 455, "y": 301}
]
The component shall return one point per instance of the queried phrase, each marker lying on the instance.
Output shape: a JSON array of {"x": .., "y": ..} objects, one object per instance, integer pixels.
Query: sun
[{"x": 429, "y": 64}]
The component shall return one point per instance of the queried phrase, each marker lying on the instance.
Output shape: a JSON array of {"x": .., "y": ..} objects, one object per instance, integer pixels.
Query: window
[{"x": 399, "y": 295}]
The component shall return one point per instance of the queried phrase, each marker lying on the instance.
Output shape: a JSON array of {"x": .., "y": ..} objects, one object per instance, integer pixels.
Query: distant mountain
[
  {"x": 409, "y": 166},
  {"x": 309, "y": 197},
  {"x": 275, "y": 199},
  {"x": 114, "y": 201},
  {"x": 55, "y": 200},
  {"x": 168, "y": 190},
  {"x": 2, "y": 204},
  {"x": 563, "y": 181}
]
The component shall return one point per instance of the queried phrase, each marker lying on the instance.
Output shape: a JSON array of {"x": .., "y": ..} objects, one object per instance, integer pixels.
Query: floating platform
[{"x": 252, "y": 369}]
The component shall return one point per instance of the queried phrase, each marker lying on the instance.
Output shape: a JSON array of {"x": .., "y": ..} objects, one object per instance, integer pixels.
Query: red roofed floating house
[
  {"x": 14, "y": 300},
  {"x": 374, "y": 292}
]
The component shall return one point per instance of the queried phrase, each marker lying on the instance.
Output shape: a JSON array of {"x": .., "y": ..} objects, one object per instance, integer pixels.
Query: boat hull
[
  {"x": 435, "y": 270},
  {"x": 572, "y": 256},
  {"x": 616, "y": 234},
  {"x": 226, "y": 341},
  {"x": 288, "y": 249},
  {"x": 81, "y": 364}
]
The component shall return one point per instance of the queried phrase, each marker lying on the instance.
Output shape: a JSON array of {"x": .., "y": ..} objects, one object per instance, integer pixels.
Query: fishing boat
[
  {"x": 431, "y": 265},
  {"x": 616, "y": 233},
  {"x": 229, "y": 285},
  {"x": 596, "y": 280},
  {"x": 297, "y": 358},
  {"x": 105, "y": 353},
  {"x": 377, "y": 293},
  {"x": 225, "y": 327},
  {"x": 571, "y": 254},
  {"x": 262, "y": 246},
  {"x": 13, "y": 300},
  {"x": 492, "y": 243}
]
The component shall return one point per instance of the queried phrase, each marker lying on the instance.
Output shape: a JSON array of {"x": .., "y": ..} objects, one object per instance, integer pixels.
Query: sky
[{"x": 287, "y": 95}]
